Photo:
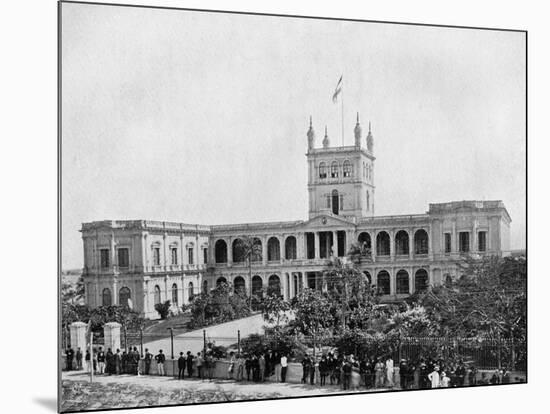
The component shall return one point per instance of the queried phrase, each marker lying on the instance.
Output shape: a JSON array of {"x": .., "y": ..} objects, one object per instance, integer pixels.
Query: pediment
[{"x": 326, "y": 221}]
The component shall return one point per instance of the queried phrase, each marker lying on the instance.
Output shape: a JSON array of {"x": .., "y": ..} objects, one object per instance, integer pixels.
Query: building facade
[{"x": 141, "y": 262}]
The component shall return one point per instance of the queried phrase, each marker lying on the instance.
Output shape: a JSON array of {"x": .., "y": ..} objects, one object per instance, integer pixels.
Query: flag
[{"x": 338, "y": 89}]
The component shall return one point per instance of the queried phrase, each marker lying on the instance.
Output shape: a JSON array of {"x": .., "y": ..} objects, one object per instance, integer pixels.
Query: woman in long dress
[
  {"x": 355, "y": 376},
  {"x": 389, "y": 372}
]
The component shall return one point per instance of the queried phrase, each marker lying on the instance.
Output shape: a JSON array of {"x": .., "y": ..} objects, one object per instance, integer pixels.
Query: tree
[
  {"x": 312, "y": 312},
  {"x": 347, "y": 288},
  {"x": 275, "y": 309},
  {"x": 249, "y": 248},
  {"x": 163, "y": 309}
]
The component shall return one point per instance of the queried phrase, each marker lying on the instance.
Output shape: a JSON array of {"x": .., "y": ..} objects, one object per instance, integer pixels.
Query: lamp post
[{"x": 171, "y": 342}]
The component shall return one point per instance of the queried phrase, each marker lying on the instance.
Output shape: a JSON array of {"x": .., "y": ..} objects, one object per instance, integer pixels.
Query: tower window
[
  {"x": 205, "y": 255},
  {"x": 334, "y": 170},
  {"x": 190, "y": 255},
  {"x": 368, "y": 201},
  {"x": 347, "y": 169},
  {"x": 322, "y": 170},
  {"x": 335, "y": 202}
]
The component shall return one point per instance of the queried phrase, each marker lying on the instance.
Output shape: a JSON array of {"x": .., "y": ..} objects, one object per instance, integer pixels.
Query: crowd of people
[{"x": 345, "y": 371}]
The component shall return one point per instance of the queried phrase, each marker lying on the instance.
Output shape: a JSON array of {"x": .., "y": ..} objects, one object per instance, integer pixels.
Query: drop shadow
[{"x": 47, "y": 402}]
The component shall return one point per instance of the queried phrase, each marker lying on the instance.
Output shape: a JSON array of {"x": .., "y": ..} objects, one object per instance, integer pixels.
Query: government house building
[{"x": 143, "y": 262}]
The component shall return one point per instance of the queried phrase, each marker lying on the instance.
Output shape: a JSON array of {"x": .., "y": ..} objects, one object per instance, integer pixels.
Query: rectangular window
[
  {"x": 464, "y": 241},
  {"x": 482, "y": 241},
  {"x": 190, "y": 255},
  {"x": 156, "y": 256},
  {"x": 104, "y": 258},
  {"x": 123, "y": 258},
  {"x": 174, "y": 251},
  {"x": 205, "y": 256},
  {"x": 447, "y": 242}
]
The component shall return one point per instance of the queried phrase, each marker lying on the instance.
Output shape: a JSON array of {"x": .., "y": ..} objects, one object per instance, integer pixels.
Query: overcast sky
[{"x": 202, "y": 117}]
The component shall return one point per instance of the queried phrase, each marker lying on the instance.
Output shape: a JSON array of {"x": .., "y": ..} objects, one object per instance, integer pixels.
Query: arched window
[
  {"x": 364, "y": 240},
  {"x": 383, "y": 282},
  {"x": 239, "y": 285},
  {"x": 347, "y": 169},
  {"x": 335, "y": 202},
  {"x": 157, "y": 294},
  {"x": 221, "y": 280},
  {"x": 274, "y": 285},
  {"x": 368, "y": 201},
  {"x": 124, "y": 297},
  {"x": 421, "y": 280},
  {"x": 322, "y": 170},
  {"x": 368, "y": 277},
  {"x": 106, "y": 297},
  {"x": 383, "y": 244},
  {"x": 273, "y": 249},
  {"x": 334, "y": 170},
  {"x": 402, "y": 282},
  {"x": 257, "y": 286},
  {"x": 175, "y": 294},
  {"x": 220, "y": 251},
  {"x": 290, "y": 248},
  {"x": 238, "y": 251},
  {"x": 205, "y": 286},
  {"x": 402, "y": 243},
  {"x": 190, "y": 293},
  {"x": 421, "y": 242}
]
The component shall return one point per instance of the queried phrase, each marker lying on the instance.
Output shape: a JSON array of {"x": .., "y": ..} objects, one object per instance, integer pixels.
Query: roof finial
[
  {"x": 326, "y": 134},
  {"x": 310, "y": 122},
  {"x": 369, "y": 127},
  {"x": 357, "y": 117}
]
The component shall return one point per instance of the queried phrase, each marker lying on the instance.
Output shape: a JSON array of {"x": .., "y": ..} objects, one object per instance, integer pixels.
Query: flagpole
[{"x": 342, "y": 111}]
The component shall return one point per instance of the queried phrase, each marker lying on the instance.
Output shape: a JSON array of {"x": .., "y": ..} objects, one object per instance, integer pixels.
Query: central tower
[{"x": 341, "y": 179}]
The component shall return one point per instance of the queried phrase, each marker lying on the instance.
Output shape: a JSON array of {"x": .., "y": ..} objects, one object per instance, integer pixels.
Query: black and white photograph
[{"x": 260, "y": 207}]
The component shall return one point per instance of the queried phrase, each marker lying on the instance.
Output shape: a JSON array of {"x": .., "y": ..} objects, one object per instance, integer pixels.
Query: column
[
  {"x": 454, "y": 238},
  {"x": 264, "y": 250},
  {"x": 146, "y": 297},
  {"x": 335, "y": 243},
  {"x": 349, "y": 238},
  {"x": 392, "y": 245},
  {"x": 113, "y": 251},
  {"x": 373, "y": 246},
  {"x": 286, "y": 288},
  {"x": 474, "y": 246},
  {"x": 229, "y": 243},
  {"x": 317, "y": 245},
  {"x": 182, "y": 252},
  {"x": 392, "y": 281},
  {"x": 411, "y": 245},
  {"x": 114, "y": 297},
  {"x": 111, "y": 334},
  {"x": 164, "y": 253},
  {"x": 78, "y": 335},
  {"x": 411, "y": 280},
  {"x": 299, "y": 245},
  {"x": 144, "y": 250}
]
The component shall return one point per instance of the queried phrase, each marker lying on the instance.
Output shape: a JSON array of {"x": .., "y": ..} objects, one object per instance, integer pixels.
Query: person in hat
[
  {"x": 147, "y": 359},
  {"x": 189, "y": 362},
  {"x": 78, "y": 359},
  {"x": 434, "y": 377},
  {"x": 181, "y": 366},
  {"x": 160, "y": 358},
  {"x": 70, "y": 355}
]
